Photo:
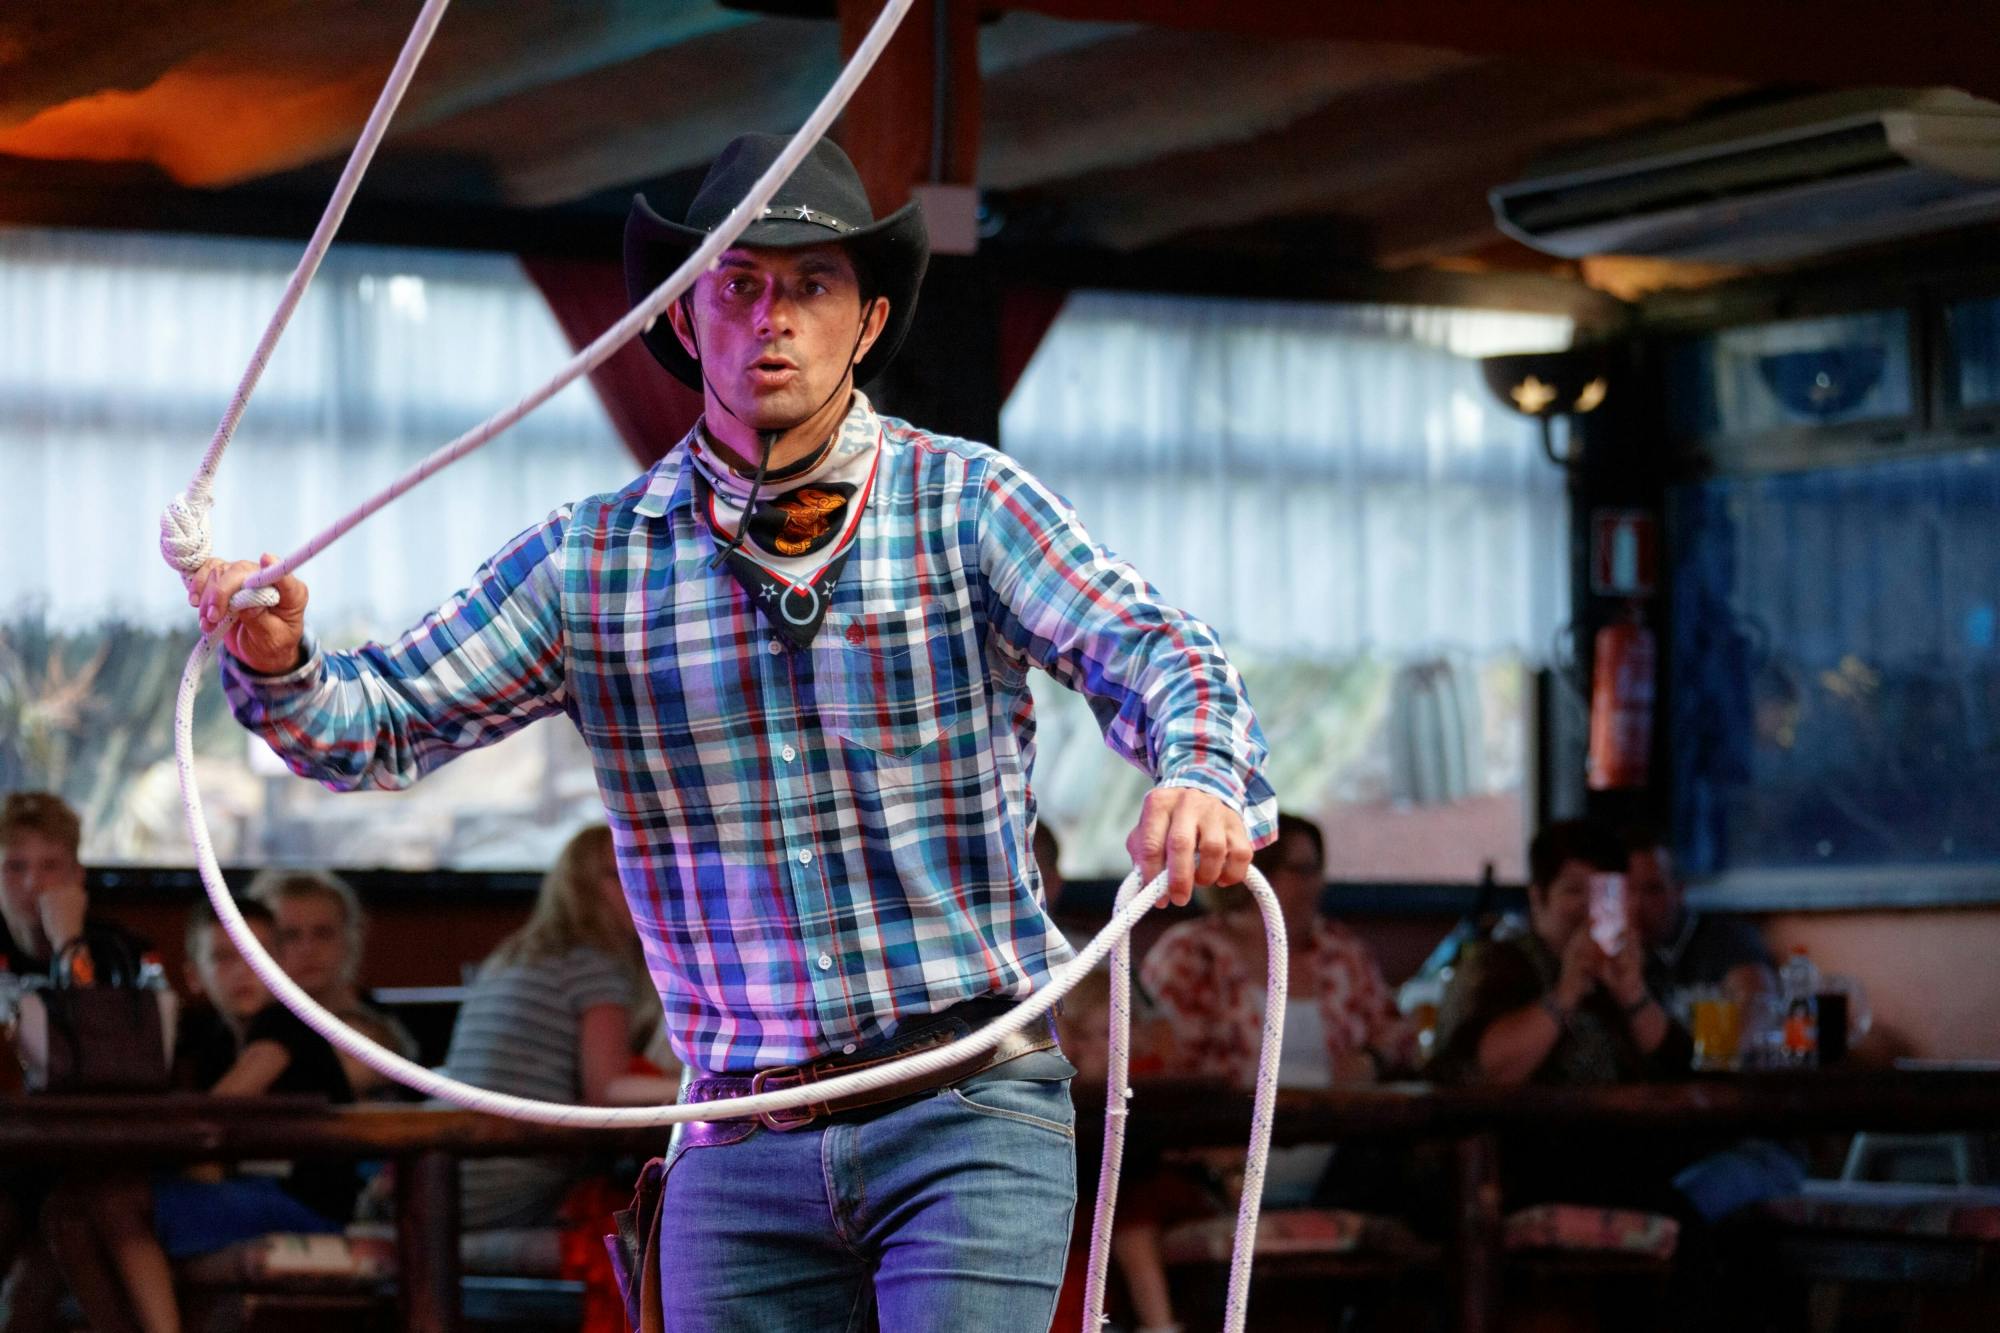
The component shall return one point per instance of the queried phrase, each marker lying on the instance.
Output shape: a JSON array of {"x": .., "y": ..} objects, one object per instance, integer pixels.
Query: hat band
[{"x": 800, "y": 213}]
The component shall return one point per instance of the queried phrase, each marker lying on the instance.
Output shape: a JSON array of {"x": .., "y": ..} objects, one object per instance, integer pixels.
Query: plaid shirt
[{"x": 818, "y": 843}]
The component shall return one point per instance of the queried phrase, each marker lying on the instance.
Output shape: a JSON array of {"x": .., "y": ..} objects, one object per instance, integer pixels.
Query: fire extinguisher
[{"x": 1621, "y": 704}]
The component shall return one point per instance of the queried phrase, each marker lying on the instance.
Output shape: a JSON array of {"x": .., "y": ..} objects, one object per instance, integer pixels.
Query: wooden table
[
  {"x": 1474, "y": 1120},
  {"x": 425, "y": 1142}
]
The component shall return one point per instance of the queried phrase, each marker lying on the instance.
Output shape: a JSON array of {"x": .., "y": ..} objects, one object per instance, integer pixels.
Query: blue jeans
[{"x": 950, "y": 1213}]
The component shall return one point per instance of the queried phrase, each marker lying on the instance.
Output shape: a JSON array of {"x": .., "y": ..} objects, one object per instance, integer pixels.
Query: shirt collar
[{"x": 671, "y": 488}]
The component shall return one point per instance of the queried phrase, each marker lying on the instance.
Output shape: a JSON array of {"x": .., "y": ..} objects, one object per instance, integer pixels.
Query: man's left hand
[{"x": 1195, "y": 837}]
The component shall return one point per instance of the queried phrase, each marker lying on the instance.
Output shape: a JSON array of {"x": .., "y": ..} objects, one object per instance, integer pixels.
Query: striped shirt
[
  {"x": 816, "y": 843},
  {"x": 517, "y": 1032}
]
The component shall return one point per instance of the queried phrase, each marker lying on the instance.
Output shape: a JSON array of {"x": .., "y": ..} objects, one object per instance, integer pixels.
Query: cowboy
[{"x": 798, "y": 649}]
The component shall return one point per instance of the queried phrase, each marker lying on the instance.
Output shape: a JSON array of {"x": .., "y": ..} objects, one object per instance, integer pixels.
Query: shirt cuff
[
  {"x": 1228, "y": 792},
  {"x": 1257, "y": 806},
  {"x": 298, "y": 680}
]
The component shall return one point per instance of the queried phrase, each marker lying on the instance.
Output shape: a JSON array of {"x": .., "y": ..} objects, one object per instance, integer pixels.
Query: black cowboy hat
[{"x": 822, "y": 202}]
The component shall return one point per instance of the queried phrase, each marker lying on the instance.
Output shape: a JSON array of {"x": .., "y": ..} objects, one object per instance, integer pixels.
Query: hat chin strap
[{"x": 767, "y": 440}]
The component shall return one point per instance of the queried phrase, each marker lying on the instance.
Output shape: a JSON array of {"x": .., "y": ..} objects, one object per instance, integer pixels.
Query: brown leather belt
[{"x": 943, "y": 1029}]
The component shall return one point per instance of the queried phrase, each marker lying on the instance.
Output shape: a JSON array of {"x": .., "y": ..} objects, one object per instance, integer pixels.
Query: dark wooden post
[
  {"x": 927, "y": 80},
  {"x": 1476, "y": 1247},
  {"x": 427, "y": 1242}
]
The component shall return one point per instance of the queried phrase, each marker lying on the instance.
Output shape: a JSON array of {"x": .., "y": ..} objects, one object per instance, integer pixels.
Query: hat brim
[{"x": 895, "y": 251}]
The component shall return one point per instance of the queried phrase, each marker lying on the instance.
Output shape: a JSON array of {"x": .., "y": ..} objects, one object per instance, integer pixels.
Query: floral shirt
[{"x": 1215, "y": 1002}]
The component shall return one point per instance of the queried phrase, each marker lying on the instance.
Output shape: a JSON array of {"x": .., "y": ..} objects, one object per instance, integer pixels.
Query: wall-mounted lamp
[{"x": 1545, "y": 385}]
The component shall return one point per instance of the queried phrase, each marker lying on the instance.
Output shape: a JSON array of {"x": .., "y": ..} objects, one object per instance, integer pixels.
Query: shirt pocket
[{"x": 891, "y": 682}]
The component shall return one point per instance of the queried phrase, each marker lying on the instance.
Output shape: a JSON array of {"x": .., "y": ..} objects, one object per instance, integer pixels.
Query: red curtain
[
  {"x": 1025, "y": 316},
  {"x": 651, "y": 409}
]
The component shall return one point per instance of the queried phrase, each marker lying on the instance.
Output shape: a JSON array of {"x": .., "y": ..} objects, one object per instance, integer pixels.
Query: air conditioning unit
[{"x": 1764, "y": 186}]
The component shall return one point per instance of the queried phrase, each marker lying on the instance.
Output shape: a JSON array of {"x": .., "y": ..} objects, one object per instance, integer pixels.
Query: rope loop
[{"x": 186, "y": 543}]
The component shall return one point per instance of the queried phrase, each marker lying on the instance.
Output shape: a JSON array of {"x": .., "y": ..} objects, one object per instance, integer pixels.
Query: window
[
  {"x": 117, "y": 356},
  {"x": 1975, "y": 345},
  {"x": 1381, "y": 546},
  {"x": 1797, "y": 373},
  {"x": 1836, "y": 669}
]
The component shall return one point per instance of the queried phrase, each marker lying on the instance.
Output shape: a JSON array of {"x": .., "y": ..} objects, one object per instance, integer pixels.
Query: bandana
[{"x": 797, "y": 536}]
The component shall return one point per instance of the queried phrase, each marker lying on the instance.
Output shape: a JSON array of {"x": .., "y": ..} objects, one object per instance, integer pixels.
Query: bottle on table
[{"x": 1798, "y": 992}]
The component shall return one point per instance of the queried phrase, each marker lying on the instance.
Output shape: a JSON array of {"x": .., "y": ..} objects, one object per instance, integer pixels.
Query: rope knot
[{"x": 184, "y": 535}]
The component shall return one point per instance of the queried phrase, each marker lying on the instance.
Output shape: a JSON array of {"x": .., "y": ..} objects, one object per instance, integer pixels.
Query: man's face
[
  {"x": 33, "y": 864},
  {"x": 225, "y": 978},
  {"x": 312, "y": 943},
  {"x": 1563, "y": 908},
  {"x": 1653, "y": 895},
  {"x": 776, "y": 330}
]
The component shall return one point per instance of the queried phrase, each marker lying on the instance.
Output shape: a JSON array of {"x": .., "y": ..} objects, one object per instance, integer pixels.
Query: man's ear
[
  {"x": 683, "y": 326},
  {"x": 873, "y": 320}
]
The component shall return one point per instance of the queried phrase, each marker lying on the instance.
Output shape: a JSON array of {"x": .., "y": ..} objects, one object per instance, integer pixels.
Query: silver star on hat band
[{"x": 800, "y": 213}]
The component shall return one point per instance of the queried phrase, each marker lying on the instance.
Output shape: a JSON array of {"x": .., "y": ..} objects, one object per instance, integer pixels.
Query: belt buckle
[{"x": 796, "y": 1118}]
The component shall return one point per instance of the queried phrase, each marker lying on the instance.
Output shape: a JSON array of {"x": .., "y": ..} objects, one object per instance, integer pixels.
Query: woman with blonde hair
[
  {"x": 322, "y": 931},
  {"x": 556, "y": 1013}
]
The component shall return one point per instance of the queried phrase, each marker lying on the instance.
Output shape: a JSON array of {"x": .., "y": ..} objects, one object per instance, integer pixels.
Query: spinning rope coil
[{"x": 185, "y": 542}]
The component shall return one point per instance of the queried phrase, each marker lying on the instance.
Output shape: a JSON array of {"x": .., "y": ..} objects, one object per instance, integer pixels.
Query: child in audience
[{"x": 117, "y": 1235}]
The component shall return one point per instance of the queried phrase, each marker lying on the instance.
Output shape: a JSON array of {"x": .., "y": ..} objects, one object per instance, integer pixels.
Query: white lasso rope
[{"x": 186, "y": 544}]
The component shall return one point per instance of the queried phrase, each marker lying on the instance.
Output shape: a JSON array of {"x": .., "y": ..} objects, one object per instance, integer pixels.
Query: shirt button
[
  {"x": 805, "y": 858},
  {"x": 775, "y": 648},
  {"x": 825, "y": 961},
  {"x": 789, "y": 753},
  {"x": 848, "y": 1049}
]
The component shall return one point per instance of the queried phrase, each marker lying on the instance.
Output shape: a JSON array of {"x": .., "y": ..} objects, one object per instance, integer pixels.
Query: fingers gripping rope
[{"x": 186, "y": 544}]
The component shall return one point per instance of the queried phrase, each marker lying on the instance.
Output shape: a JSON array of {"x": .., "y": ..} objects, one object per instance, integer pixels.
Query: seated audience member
[
  {"x": 46, "y": 926},
  {"x": 1083, "y": 1026},
  {"x": 1341, "y": 1026},
  {"x": 1685, "y": 949},
  {"x": 1048, "y": 861},
  {"x": 117, "y": 1235},
  {"x": 1553, "y": 1007},
  {"x": 321, "y": 932},
  {"x": 1208, "y": 977},
  {"x": 46, "y": 930},
  {"x": 1550, "y": 1005},
  {"x": 555, "y": 1014}
]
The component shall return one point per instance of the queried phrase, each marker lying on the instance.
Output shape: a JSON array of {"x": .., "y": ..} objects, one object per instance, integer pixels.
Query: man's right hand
[{"x": 265, "y": 639}]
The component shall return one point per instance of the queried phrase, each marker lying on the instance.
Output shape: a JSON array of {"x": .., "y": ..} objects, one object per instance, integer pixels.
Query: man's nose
[{"x": 774, "y": 314}]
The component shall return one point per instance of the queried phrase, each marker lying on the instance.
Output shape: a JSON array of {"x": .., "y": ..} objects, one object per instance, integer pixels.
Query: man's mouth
[{"x": 773, "y": 372}]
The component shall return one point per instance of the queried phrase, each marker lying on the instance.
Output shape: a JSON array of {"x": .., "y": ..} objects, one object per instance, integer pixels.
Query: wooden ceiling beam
[
  {"x": 53, "y": 51},
  {"x": 659, "y": 114},
  {"x": 232, "y": 92},
  {"x": 1837, "y": 43},
  {"x": 673, "y": 108},
  {"x": 1153, "y": 93},
  {"x": 1425, "y": 139}
]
